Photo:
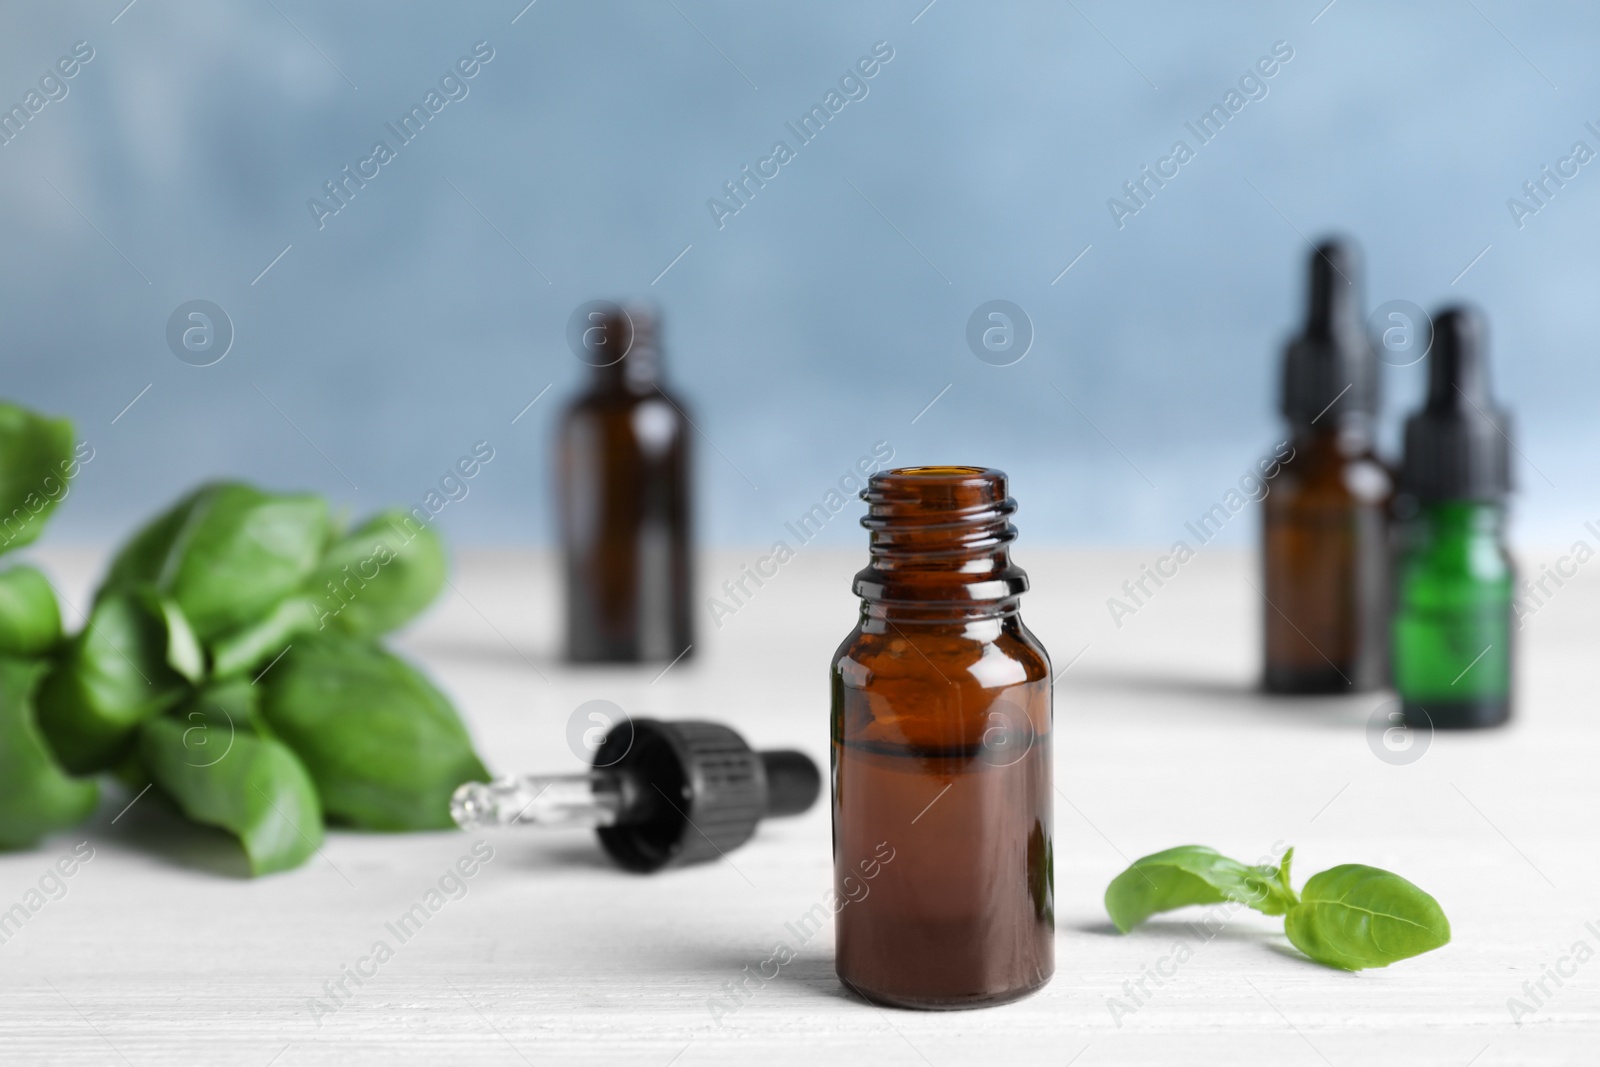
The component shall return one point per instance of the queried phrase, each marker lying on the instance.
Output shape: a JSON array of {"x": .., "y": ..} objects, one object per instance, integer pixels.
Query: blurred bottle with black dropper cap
[
  {"x": 1452, "y": 625},
  {"x": 1325, "y": 537},
  {"x": 624, "y": 496}
]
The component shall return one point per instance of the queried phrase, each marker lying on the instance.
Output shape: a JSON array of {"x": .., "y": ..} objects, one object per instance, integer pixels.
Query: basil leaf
[
  {"x": 1042, "y": 874},
  {"x": 379, "y": 576},
  {"x": 112, "y": 676},
  {"x": 30, "y": 620},
  {"x": 255, "y": 646},
  {"x": 227, "y": 554},
  {"x": 374, "y": 579},
  {"x": 36, "y": 460},
  {"x": 208, "y": 758},
  {"x": 183, "y": 648},
  {"x": 1191, "y": 874},
  {"x": 385, "y": 747},
  {"x": 1353, "y": 916},
  {"x": 36, "y": 796}
]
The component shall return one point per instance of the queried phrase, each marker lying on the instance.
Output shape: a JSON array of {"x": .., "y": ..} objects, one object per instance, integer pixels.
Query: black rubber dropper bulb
[
  {"x": 661, "y": 794},
  {"x": 1330, "y": 370},
  {"x": 1331, "y": 306},
  {"x": 1457, "y": 447}
]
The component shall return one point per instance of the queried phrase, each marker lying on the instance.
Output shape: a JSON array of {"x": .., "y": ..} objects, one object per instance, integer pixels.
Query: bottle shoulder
[
  {"x": 971, "y": 654},
  {"x": 1472, "y": 550},
  {"x": 940, "y": 691},
  {"x": 653, "y": 424},
  {"x": 622, "y": 399},
  {"x": 1329, "y": 477}
]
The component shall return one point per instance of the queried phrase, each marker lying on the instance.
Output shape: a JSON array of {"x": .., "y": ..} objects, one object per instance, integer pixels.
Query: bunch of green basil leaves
[
  {"x": 1351, "y": 916},
  {"x": 231, "y": 659}
]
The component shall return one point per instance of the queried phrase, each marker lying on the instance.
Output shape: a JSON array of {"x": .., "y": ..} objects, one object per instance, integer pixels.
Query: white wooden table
[{"x": 160, "y": 953}]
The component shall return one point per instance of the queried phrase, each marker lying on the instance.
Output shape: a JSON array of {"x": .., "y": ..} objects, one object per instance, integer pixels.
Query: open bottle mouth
[
  {"x": 940, "y": 538},
  {"x": 937, "y": 497},
  {"x": 944, "y": 472}
]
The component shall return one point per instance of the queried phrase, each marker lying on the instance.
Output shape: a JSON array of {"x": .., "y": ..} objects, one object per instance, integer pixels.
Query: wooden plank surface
[{"x": 159, "y": 952}]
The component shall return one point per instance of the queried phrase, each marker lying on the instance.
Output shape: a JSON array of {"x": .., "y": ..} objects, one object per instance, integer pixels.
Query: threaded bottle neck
[
  {"x": 628, "y": 350},
  {"x": 940, "y": 544}
]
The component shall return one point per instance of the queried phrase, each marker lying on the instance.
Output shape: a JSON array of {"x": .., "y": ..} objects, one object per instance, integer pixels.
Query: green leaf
[
  {"x": 183, "y": 648},
  {"x": 1041, "y": 873},
  {"x": 255, "y": 646},
  {"x": 371, "y": 581},
  {"x": 113, "y": 676},
  {"x": 227, "y": 554},
  {"x": 385, "y": 747},
  {"x": 1192, "y": 874},
  {"x": 379, "y": 576},
  {"x": 36, "y": 461},
  {"x": 36, "y": 795},
  {"x": 1353, "y": 916},
  {"x": 30, "y": 619},
  {"x": 210, "y": 760}
]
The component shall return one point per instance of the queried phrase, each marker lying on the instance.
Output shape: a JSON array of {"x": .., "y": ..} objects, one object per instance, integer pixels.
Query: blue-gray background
[{"x": 828, "y": 313}]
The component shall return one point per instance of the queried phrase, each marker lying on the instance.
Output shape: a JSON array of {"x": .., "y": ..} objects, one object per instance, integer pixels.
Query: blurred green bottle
[{"x": 1452, "y": 625}]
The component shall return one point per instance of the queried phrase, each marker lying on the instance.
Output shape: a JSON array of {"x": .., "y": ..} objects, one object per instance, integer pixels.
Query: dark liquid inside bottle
[
  {"x": 981, "y": 929},
  {"x": 1326, "y": 562},
  {"x": 941, "y": 755},
  {"x": 623, "y": 483}
]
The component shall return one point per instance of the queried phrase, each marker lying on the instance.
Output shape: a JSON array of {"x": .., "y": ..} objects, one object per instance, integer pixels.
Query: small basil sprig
[{"x": 1351, "y": 917}]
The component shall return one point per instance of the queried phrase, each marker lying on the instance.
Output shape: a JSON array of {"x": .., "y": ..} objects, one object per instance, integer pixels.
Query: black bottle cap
[
  {"x": 697, "y": 791},
  {"x": 1330, "y": 372},
  {"x": 1458, "y": 445}
]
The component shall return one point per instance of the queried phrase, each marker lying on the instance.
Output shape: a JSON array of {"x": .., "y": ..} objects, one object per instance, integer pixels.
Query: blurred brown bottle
[
  {"x": 1326, "y": 514},
  {"x": 623, "y": 483}
]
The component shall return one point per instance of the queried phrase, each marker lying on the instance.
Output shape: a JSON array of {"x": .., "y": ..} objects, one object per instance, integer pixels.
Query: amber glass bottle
[
  {"x": 941, "y": 754},
  {"x": 1326, "y": 534},
  {"x": 623, "y": 484}
]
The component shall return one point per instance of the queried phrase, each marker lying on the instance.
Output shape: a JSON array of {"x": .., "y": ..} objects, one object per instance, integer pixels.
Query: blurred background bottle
[
  {"x": 624, "y": 499},
  {"x": 1325, "y": 534},
  {"x": 1452, "y": 627}
]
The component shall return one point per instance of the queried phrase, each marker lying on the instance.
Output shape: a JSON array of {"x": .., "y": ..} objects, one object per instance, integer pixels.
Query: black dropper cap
[
  {"x": 1458, "y": 446},
  {"x": 1330, "y": 372},
  {"x": 695, "y": 791}
]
